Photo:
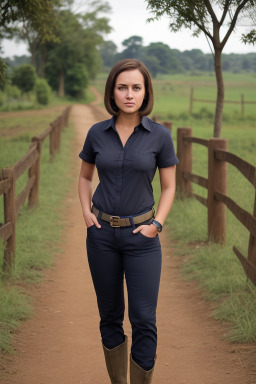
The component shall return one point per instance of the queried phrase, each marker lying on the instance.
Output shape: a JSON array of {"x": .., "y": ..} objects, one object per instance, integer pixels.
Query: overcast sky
[{"x": 129, "y": 17}]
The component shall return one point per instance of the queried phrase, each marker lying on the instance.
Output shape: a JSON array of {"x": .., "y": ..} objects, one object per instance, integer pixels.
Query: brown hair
[{"x": 128, "y": 65}]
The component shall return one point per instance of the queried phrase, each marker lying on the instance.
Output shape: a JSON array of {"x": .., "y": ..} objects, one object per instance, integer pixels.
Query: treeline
[
  {"x": 63, "y": 41},
  {"x": 161, "y": 59}
]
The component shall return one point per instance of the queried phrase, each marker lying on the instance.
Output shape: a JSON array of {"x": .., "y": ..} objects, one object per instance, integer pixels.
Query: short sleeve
[
  {"x": 166, "y": 156},
  {"x": 87, "y": 154}
]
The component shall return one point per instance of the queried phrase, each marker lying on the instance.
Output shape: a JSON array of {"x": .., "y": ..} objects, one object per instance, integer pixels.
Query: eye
[
  {"x": 121, "y": 87},
  {"x": 137, "y": 88}
]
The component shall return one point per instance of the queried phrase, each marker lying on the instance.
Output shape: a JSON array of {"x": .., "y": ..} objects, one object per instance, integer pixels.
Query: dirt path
[{"x": 61, "y": 343}]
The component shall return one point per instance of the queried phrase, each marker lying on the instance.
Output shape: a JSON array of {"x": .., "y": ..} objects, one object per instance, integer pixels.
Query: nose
[{"x": 129, "y": 93}]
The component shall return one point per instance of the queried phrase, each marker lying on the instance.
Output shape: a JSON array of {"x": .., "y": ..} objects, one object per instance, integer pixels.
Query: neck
[{"x": 128, "y": 121}]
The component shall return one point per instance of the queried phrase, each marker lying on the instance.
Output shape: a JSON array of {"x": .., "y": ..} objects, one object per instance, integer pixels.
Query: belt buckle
[{"x": 113, "y": 221}]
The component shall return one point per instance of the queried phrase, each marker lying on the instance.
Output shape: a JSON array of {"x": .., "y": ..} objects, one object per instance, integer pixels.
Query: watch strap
[{"x": 158, "y": 225}]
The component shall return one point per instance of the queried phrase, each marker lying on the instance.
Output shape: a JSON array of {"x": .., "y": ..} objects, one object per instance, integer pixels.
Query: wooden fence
[
  {"x": 216, "y": 185},
  {"x": 242, "y": 102},
  {"x": 9, "y": 176}
]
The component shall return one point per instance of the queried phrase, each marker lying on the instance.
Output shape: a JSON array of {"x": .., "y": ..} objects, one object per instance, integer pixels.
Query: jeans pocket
[{"x": 147, "y": 237}]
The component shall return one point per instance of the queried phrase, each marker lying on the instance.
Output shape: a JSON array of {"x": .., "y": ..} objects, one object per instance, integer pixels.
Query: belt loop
[{"x": 131, "y": 221}]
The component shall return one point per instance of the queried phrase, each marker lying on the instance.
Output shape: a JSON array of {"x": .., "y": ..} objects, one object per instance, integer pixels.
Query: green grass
[
  {"x": 38, "y": 231},
  {"x": 172, "y": 95},
  {"x": 216, "y": 267},
  {"x": 28, "y": 102}
]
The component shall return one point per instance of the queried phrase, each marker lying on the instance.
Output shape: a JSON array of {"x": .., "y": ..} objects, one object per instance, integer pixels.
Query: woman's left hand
[{"x": 147, "y": 230}]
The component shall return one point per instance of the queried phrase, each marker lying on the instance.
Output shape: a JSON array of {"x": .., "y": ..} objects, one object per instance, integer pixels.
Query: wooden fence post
[
  {"x": 184, "y": 154},
  {"x": 52, "y": 141},
  {"x": 252, "y": 242},
  {"x": 191, "y": 100},
  {"x": 242, "y": 105},
  {"x": 168, "y": 124},
  {"x": 9, "y": 217},
  {"x": 217, "y": 182},
  {"x": 33, "y": 198}
]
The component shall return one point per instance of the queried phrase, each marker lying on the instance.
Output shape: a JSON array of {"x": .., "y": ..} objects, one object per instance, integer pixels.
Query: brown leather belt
[{"x": 117, "y": 221}]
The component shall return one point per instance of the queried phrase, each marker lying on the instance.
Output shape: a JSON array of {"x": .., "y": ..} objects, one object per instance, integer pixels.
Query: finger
[
  {"x": 97, "y": 224},
  {"x": 95, "y": 221},
  {"x": 138, "y": 229}
]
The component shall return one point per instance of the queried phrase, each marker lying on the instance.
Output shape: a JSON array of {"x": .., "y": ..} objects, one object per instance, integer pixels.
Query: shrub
[
  {"x": 24, "y": 77},
  {"x": 42, "y": 92},
  {"x": 76, "y": 81},
  {"x": 12, "y": 92},
  {"x": 1, "y": 99}
]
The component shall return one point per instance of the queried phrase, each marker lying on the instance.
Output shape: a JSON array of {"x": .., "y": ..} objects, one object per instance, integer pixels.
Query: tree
[
  {"x": 79, "y": 37},
  {"x": 133, "y": 46},
  {"x": 208, "y": 16},
  {"x": 166, "y": 57},
  {"x": 33, "y": 20},
  {"x": 108, "y": 51},
  {"x": 24, "y": 77}
]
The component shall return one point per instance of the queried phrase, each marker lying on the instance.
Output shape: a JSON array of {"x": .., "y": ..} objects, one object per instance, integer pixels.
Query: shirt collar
[{"x": 145, "y": 123}]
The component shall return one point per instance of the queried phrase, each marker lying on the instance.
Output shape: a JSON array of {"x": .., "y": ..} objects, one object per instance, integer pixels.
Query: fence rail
[
  {"x": 241, "y": 102},
  {"x": 216, "y": 185},
  {"x": 9, "y": 176}
]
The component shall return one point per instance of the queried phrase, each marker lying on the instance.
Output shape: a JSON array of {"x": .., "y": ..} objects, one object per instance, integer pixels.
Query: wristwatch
[{"x": 158, "y": 225}]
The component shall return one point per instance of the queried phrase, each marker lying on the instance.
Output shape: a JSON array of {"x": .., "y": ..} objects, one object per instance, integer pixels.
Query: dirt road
[{"x": 61, "y": 343}]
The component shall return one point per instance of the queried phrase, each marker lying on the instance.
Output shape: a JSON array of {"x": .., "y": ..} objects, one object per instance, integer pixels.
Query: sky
[{"x": 129, "y": 18}]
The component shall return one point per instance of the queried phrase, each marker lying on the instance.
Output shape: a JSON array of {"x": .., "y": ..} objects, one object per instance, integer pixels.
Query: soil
[{"x": 61, "y": 344}]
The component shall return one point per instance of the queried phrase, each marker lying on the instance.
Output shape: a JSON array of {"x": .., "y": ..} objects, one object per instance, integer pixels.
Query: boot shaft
[
  {"x": 116, "y": 362},
  {"x": 138, "y": 375}
]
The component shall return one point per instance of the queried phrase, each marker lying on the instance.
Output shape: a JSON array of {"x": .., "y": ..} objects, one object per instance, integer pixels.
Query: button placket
[{"x": 119, "y": 173}]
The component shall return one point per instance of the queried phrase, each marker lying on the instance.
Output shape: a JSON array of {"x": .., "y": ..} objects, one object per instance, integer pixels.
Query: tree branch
[
  {"x": 225, "y": 11},
  {"x": 211, "y": 11},
  {"x": 201, "y": 25},
  {"x": 203, "y": 29},
  {"x": 233, "y": 22}
]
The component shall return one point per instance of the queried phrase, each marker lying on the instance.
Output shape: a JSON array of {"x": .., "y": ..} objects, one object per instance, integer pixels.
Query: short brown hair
[{"x": 128, "y": 65}]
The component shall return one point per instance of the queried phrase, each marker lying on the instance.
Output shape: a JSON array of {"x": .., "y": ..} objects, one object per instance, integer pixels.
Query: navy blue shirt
[{"x": 126, "y": 172}]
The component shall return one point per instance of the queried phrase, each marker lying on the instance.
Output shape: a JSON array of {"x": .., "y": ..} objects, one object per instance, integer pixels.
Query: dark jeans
[{"x": 113, "y": 253}]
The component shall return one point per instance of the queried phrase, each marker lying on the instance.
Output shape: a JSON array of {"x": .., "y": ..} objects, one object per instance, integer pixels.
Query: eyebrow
[{"x": 132, "y": 84}]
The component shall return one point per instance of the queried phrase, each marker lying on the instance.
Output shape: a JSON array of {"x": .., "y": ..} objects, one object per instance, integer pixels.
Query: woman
[{"x": 122, "y": 227}]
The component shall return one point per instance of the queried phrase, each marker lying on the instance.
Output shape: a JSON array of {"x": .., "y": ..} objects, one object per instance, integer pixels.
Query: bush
[
  {"x": 76, "y": 81},
  {"x": 42, "y": 92},
  {"x": 1, "y": 99},
  {"x": 12, "y": 92},
  {"x": 24, "y": 77}
]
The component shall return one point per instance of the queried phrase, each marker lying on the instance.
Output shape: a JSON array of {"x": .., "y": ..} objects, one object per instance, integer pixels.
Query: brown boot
[
  {"x": 138, "y": 375},
  {"x": 116, "y": 362}
]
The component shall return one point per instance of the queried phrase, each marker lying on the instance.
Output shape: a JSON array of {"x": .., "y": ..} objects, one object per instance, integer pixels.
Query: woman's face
[{"x": 129, "y": 91}]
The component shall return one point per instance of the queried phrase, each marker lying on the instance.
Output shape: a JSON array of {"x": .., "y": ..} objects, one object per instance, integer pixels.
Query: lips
[{"x": 129, "y": 104}]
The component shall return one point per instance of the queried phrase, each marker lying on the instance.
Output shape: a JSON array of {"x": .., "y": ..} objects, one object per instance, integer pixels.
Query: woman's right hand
[{"x": 90, "y": 220}]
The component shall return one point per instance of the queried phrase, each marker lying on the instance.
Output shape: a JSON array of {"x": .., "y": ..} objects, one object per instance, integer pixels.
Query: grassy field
[
  {"x": 28, "y": 101},
  {"x": 38, "y": 230},
  {"x": 217, "y": 269},
  {"x": 172, "y": 95}
]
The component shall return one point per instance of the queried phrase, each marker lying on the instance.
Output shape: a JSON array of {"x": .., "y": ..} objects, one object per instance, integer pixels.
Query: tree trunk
[
  {"x": 62, "y": 83},
  {"x": 220, "y": 93},
  {"x": 32, "y": 48},
  {"x": 42, "y": 60}
]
